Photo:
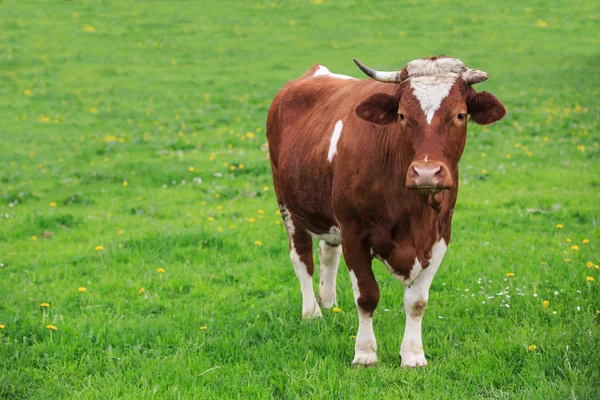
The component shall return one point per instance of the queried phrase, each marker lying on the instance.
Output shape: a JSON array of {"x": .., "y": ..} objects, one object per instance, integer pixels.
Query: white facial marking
[
  {"x": 415, "y": 300},
  {"x": 334, "y": 235},
  {"x": 323, "y": 71},
  {"x": 365, "y": 349},
  {"x": 335, "y": 136},
  {"x": 310, "y": 308},
  {"x": 425, "y": 159},
  {"x": 329, "y": 256},
  {"x": 431, "y": 81}
]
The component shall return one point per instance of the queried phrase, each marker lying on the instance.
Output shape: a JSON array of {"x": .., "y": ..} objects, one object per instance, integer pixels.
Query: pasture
[{"x": 137, "y": 203}]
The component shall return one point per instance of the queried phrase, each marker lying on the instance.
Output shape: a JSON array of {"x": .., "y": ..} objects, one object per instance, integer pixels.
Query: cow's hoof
[
  {"x": 327, "y": 301},
  {"x": 312, "y": 313},
  {"x": 412, "y": 360},
  {"x": 365, "y": 360}
]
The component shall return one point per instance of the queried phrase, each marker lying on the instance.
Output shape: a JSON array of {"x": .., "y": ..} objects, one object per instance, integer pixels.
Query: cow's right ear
[{"x": 379, "y": 108}]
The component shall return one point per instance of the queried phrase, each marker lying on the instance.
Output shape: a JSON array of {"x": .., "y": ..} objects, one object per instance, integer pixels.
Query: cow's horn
[
  {"x": 389, "y": 77},
  {"x": 473, "y": 76}
]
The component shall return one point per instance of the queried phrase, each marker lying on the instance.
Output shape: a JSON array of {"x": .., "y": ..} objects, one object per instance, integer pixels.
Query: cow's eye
[{"x": 461, "y": 116}]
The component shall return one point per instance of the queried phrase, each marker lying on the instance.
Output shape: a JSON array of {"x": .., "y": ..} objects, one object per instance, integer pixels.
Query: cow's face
[{"x": 430, "y": 111}]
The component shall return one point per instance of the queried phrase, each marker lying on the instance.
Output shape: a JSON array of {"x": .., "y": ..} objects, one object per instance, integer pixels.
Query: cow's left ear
[
  {"x": 484, "y": 108},
  {"x": 379, "y": 108}
]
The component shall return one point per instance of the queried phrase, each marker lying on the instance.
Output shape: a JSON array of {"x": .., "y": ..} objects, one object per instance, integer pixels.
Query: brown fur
[{"x": 363, "y": 190}]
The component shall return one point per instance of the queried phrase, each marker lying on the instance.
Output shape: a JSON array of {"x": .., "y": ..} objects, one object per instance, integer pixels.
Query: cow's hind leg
[
  {"x": 302, "y": 260},
  {"x": 329, "y": 256}
]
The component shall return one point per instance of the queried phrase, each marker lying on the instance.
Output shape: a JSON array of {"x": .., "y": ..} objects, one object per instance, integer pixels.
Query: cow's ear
[
  {"x": 380, "y": 108},
  {"x": 484, "y": 108}
]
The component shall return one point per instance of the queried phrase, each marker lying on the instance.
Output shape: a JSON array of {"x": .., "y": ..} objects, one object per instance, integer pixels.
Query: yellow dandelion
[
  {"x": 250, "y": 135},
  {"x": 589, "y": 278},
  {"x": 261, "y": 211},
  {"x": 125, "y": 183},
  {"x": 337, "y": 309},
  {"x": 559, "y": 226},
  {"x": 241, "y": 166},
  {"x": 203, "y": 328},
  {"x": 203, "y": 203},
  {"x": 211, "y": 219},
  {"x": 138, "y": 198},
  {"x": 483, "y": 155},
  {"x": 510, "y": 274},
  {"x": 532, "y": 347},
  {"x": 45, "y": 305},
  {"x": 541, "y": 24},
  {"x": 161, "y": 270},
  {"x": 232, "y": 168},
  {"x": 590, "y": 264},
  {"x": 88, "y": 28},
  {"x": 53, "y": 204},
  {"x": 266, "y": 188},
  {"x": 51, "y": 327},
  {"x": 585, "y": 241},
  {"x": 82, "y": 290},
  {"x": 231, "y": 226},
  {"x": 120, "y": 231},
  {"x": 2, "y": 326},
  {"x": 575, "y": 247},
  {"x": 257, "y": 242},
  {"x": 34, "y": 238},
  {"x": 568, "y": 240},
  {"x": 508, "y": 155},
  {"x": 93, "y": 110},
  {"x": 220, "y": 229},
  {"x": 27, "y": 92},
  {"x": 545, "y": 304},
  {"x": 567, "y": 260},
  {"x": 99, "y": 248},
  {"x": 191, "y": 169},
  {"x": 484, "y": 171},
  {"x": 142, "y": 290},
  {"x": 219, "y": 207},
  {"x": 251, "y": 220}
]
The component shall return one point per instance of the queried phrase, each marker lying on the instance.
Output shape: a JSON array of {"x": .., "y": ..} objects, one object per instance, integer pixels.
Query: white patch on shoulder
[
  {"x": 324, "y": 71},
  {"x": 431, "y": 81},
  {"x": 334, "y": 235},
  {"x": 335, "y": 137}
]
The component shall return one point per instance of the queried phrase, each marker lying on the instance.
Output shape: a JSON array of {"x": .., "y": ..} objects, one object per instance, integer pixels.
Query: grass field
[{"x": 131, "y": 142}]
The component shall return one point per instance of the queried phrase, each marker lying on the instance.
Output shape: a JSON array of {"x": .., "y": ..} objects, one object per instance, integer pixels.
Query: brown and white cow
[{"x": 372, "y": 165}]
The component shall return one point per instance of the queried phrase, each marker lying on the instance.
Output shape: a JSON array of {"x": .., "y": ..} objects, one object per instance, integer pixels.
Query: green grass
[{"x": 95, "y": 93}]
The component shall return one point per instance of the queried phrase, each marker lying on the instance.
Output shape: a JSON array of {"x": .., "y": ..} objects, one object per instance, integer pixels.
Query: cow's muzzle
[{"x": 428, "y": 177}]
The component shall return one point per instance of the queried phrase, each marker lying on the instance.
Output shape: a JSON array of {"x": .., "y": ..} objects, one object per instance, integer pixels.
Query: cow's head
[{"x": 430, "y": 109}]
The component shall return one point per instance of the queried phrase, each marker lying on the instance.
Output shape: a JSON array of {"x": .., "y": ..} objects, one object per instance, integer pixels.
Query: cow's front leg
[
  {"x": 415, "y": 301},
  {"x": 366, "y": 297}
]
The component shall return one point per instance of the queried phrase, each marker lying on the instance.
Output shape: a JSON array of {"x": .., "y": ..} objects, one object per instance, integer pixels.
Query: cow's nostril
[
  {"x": 414, "y": 172},
  {"x": 438, "y": 172}
]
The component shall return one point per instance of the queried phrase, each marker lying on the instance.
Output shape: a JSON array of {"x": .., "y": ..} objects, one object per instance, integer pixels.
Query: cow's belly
[{"x": 334, "y": 236}]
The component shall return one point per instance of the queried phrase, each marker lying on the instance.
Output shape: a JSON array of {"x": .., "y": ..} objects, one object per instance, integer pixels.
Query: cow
[{"x": 370, "y": 169}]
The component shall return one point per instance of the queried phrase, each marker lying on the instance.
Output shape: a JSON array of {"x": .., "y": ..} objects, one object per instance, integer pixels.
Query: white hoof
[
  {"x": 365, "y": 359},
  {"x": 326, "y": 299},
  {"x": 311, "y": 313},
  {"x": 412, "y": 360}
]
